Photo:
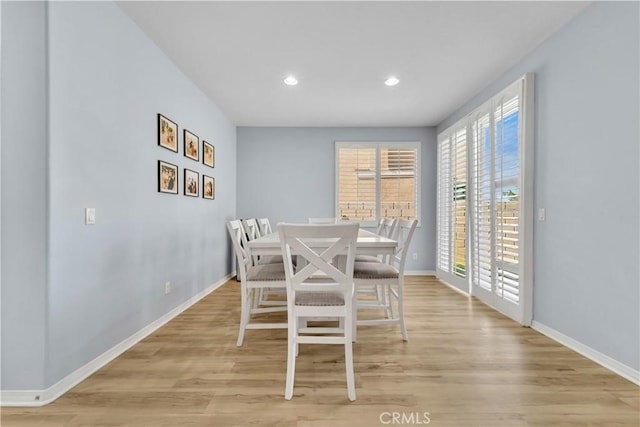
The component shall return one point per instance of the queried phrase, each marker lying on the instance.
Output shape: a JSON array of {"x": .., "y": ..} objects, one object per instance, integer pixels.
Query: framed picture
[
  {"x": 208, "y": 187},
  {"x": 191, "y": 182},
  {"x": 208, "y": 154},
  {"x": 167, "y": 178},
  {"x": 167, "y": 133},
  {"x": 191, "y": 146}
]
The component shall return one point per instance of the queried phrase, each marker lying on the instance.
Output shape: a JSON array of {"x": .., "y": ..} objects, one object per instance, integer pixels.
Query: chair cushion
[
  {"x": 367, "y": 258},
  {"x": 274, "y": 259},
  {"x": 266, "y": 273},
  {"x": 319, "y": 299},
  {"x": 374, "y": 270}
]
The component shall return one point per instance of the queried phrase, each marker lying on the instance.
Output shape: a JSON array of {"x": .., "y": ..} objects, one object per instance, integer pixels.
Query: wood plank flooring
[{"x": 464, "y": 365}]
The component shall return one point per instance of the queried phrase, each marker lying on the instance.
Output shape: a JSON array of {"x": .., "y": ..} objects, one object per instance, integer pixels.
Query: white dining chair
[
  {"x": 322, "y": 220},
  {"x": 252, "y": 278},
  {"x": 263, "y": 297},
  {"x": 387, "y": 227},
  {"x": 319, "y": 290},
  {"x": 390, "y": 277},
  {"x": 265, "y": 226},
  {"x": 252, "y": 232}
]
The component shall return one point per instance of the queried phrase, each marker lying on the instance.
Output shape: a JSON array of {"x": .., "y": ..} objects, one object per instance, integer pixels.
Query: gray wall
[
  {"x": 288, "y": 174},
  {"x": 106, "y": 83},
  {"x": 24, "y": 194},
  {"x": 586, "y": 176}
]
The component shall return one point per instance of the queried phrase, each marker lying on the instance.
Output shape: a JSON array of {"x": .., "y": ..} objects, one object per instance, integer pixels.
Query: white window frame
[{"x": 379, "y": 146}]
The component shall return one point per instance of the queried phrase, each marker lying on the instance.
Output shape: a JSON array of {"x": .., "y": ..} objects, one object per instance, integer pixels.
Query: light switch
[
  {"x": 90, "y": 216},
  {"x": 541, "y": 214}
]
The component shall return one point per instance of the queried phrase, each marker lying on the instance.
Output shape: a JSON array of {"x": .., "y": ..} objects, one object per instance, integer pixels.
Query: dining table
[{"x": 368, "y": 243}]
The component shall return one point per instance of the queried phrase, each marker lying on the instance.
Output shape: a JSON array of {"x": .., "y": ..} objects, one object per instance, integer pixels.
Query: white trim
[
  {"x": 420, "y": 273},
  {"x": 526, "y": 202},
  {"x": 461, "y": 283},
  {"x": 44, "y": 397},
  {"x": 602, "y": 359},
  {"x": 455, "y": 288},
  {"x": 21, "y": 398}
]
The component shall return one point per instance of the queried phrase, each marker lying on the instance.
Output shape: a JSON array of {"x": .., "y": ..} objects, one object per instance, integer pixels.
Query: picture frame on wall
[
  {"x": 208, "y": 154},
  {"x": 191, "y": 182},
  {"x": 208, "y": 187},
  {"x": 191, "y": 145},
  {"x": 167, "y": 133},
  {"x": 167, "y": 178}
]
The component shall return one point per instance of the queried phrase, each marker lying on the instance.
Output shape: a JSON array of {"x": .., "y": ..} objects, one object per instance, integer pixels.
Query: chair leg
[
  {"x": 244, "y": 315},
  {"x": 258, "y": 301},
  {"x": 296, "y": 323},
  {"x": 382, "y": 299},
  {"x": 348, "y": 358},
  {"x": 353, "y": 319},
  {"x": 403, "y": 328},
  {"x": 292, "y": 350},
  {"x": 387, "y": 288}
]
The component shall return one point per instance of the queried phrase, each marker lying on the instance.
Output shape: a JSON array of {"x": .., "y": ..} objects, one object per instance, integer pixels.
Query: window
[
  {"x": 485, "y": 202},
  {"x": 377, "y": 180}
]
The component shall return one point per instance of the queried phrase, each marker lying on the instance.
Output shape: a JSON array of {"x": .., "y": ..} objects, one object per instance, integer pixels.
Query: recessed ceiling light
[
  {"x": 392, "y": 81},
  {"x": 291, "y": 81}
]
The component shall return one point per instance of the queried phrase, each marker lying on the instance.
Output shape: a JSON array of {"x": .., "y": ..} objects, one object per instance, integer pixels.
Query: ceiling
[{"x": 238, "y": 53}]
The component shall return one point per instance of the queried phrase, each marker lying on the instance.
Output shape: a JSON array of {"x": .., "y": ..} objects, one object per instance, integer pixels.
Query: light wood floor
[{"x": 464, "y": 364}]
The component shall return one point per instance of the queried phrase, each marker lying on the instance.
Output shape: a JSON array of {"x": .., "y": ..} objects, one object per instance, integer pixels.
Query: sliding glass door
[{"x": 494, "y": 217}]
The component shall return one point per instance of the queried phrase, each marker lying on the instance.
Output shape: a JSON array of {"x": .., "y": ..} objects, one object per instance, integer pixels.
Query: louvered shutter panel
[
  {"x": 496, "y": 192},
  {"x": 459, "y": 154},
  {"x": 482, "y": 201},
  {"x": 398, "y": 171},
  {"x": 445, "y": 202},
  {"x": 452, "y": 207},
  {"x": 357, "y": 183},
  {"x": 507, "y": 192}
]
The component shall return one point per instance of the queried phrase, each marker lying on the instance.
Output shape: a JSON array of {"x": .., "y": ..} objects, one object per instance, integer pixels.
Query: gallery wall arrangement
[{"x": 168, "y": 173}]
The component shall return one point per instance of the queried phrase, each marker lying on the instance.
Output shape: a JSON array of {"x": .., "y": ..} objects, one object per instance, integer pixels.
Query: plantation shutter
[
  {"x": 460, "y": 203},
  {"x": 357, "y": 180},
  {"x": 398, "y": 172},
  {"x": 496, "y": 207},
  {"x": 507, "y": 188},
  {"x": 445, "y": 204},
  {"x": 500, "y": 233},
  {"x": 496, "y": 220},
  {"x": 482, "y": 211},
  {"x": 377, "y": 180},
  {"x": 452, "y": 207}
]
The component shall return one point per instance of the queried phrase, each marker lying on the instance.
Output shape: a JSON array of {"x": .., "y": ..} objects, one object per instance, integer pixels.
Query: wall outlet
[
  {"x": 167, "y": 288},
  {"x": 415, "y": 256}
]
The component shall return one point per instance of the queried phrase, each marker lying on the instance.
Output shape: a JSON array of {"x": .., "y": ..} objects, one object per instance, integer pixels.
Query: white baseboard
[
  {"x": 21, "y": 398},
  {"x": 588, "y": 352},
  {"x": 43, "y": 397},
  {"x": 420, "y": 273},
  {"x": 455, "y": 288}
]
